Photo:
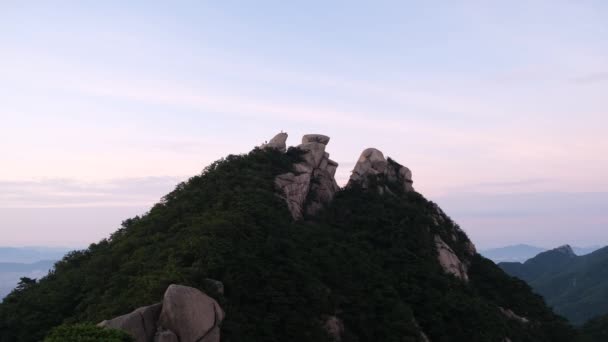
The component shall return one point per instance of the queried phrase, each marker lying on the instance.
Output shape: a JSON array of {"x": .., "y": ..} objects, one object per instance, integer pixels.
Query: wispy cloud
[{"x": 62, "y": 193}]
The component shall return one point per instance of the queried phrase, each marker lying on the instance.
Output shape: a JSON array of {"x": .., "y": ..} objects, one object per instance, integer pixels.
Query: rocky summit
[
  {"x": 311, "y": 185},
  {"x": 267, "y": 247},
  {"x": 373, "y": 165}
]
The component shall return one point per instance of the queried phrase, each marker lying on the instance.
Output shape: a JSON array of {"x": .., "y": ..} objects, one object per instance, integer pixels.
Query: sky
[{"x": 500, "y": 108}]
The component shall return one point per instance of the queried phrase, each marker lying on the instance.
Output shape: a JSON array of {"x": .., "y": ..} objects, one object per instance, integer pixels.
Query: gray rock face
[
  {"x": 212, "y": 336},
  {"x": 190, "y": 314},
  {"x": 165, "y": 336},
  {"x": 185, "y": 315},
  {"x": 372, "y": 163},
  {"x": 449, "y": 261},
  {"x": 278, "y": 142},
  {"x": 317, "y": 138},
  {"x": 140, "y": 323},
  {"x": 312, "y": 184},
  {"x": 511, "y": 315}
]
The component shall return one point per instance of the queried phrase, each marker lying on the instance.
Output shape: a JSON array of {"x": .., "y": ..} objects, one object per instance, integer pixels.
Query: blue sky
[{"x": 499, "y": 108}]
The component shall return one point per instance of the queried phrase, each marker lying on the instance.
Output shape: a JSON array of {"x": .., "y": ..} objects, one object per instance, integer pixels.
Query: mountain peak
[
  {"x": 311, "y": 185},
  {"x": 371, "y": 267},
  {"x": 373, "y": 165},
  {"x": 565, "y": 249}
]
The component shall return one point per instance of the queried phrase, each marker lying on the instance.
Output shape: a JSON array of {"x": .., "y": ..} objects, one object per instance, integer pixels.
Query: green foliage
[
  {"x": 368, "y": 259},
  {"x": 595, "y": 330},
  {"x": 86, "y": 333},
  {"x": 575, "y": 286}
]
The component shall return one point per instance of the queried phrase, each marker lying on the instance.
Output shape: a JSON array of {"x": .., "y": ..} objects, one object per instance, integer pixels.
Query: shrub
[{"x": 86, "y": 333}]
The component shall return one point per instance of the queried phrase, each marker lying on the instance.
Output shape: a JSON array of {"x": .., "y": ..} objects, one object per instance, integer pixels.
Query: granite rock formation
[
  {"x": 447, "y": 258},
  {"x": 278, "y": 142},
  {"x": 512, "y": 315},
  {"x": 140, "y": 323},
  {"x": 185, "y": 315},
  {"x": 449, "y": 261},
  {"x": 373, "y": 168},
  {"x": 311, "y": 186}
]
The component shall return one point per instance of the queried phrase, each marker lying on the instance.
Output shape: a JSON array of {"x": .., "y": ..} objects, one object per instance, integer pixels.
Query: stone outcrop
[
  {"x": 140, "y": 323},
  {"x": 372, "y": 166},
  {"x": 449, "y": 261},
  {"x": 318, "y": 138},
  {"x": 185, "y": 315},
  {"x": 165, "y": 336},
  {"x": 190, "y": 314},
  {"x": 278, "y": 142},
  {"x": 311, "y": 186},
  {"x": 512, "y": 315}
]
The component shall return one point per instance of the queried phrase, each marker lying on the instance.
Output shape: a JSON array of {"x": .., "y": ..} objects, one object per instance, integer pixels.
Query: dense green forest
[
  {"x": 595, "y": 330},
  {"x": 368, "y": 259},
  {"x": 575, "y": 286}
]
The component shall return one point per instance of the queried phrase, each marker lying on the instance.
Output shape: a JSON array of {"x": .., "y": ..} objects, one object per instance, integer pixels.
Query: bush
[{"x": 86, "y": 333}]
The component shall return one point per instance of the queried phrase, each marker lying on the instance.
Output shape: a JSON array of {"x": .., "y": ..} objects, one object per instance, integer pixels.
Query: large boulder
[
  {"x": 190, "y": 314},
  {"x": 373, "y": 165},
  {"x": 278, "y": 142},
  {"x": 317, "y": 138},
  {"x": 185, "y": 315},
  {"x": 371, "y": 162},
  {"x": 165, "y": 336},
  {"x": 140, "y": 323}
]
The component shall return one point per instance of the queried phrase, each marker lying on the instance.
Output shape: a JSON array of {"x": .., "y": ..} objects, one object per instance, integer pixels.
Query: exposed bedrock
[
  {"x": 311, "y": 186},
  {"x": 278, "y": 142},
  {"x": 185, "y": 315},
  {"x": 373, "y": 168}
]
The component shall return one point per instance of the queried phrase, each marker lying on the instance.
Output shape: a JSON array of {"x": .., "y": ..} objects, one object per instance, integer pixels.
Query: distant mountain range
[
  {"x": 31, "y": 262},
  {"x": 31, "y": 254},
  {"x": 575, "y": 286},
  {"x": 11, "y": 273},
  {"x": 523, "y": 252}
]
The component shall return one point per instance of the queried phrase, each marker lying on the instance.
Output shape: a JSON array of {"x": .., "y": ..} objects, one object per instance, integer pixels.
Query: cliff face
[
  {"x": 311, "y": 186},
  {"x": 299, "y": 259}
]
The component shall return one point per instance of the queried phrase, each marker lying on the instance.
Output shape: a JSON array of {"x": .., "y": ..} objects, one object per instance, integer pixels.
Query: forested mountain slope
[
  {"x": 376, "y": 256},
  {"x": 575, "y": 286}
]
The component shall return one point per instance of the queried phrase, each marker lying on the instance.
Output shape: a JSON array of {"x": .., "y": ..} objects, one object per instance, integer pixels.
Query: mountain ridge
[
  {"x": 378, "y": 259},
  {"x": 576, "y": 286},
  {"x": 522, "y": 252}
]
